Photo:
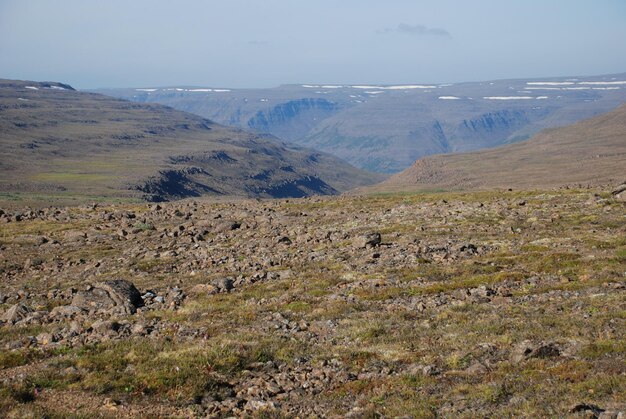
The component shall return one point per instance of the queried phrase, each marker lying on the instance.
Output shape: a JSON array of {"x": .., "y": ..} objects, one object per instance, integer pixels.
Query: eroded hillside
[
  {"x": 590, "y": 152},
  {"x": 61, "y": 144}
]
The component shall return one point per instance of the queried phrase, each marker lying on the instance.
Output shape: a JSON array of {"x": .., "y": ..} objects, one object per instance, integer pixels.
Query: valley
[
  {"x": 282, "y": 282},
  {"x": 325, "y": 210},
  {"x": 385, "y": 128}
]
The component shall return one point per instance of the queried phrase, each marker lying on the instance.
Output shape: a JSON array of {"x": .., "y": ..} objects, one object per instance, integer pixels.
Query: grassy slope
[{"x": 588, "y": 152}]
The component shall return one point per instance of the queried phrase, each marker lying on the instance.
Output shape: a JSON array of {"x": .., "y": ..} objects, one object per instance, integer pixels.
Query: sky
[{"x": 266, "y": 43}]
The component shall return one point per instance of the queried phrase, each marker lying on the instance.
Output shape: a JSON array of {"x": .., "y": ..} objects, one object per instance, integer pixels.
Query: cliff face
[
  {"x": 293, "y": 119},
  {"x": 590, "y": 152},
  {"x": 386, "y": 128}
]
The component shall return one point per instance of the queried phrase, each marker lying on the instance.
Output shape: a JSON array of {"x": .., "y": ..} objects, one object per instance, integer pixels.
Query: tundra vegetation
[{"x": 470, "y": 304}]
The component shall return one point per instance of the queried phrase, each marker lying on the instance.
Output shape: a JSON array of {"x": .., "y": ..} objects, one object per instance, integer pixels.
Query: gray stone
[
  {"x": 17, "y": 313},
  {"x": 65, "y": 311},
  {"x": 527, "y": 350},
  {"x": 46, "y": 338},
  {"x": 224, "y": 284},
  {"x": 105, "y": 327},
  {"x": 367, "y": 240},
  {"x": 119, "y": 296}
]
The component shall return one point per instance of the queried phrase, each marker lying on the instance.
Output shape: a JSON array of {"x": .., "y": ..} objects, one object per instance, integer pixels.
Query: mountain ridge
[
  {"x": 58, "y": 140},
  {"x": 385, "y": 128}
]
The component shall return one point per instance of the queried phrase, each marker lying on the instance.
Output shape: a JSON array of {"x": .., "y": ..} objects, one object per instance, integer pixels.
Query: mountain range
[{"x": 385, "y": 128}]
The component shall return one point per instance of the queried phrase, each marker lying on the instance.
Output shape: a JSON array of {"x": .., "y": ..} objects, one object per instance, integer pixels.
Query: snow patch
[
  {"x": 508, "y": 97},
  {"x": 374, "y": 92},
  {"x": 449, "y": 98},
  {"x": 332, "y": 87},
  {"x": 549, "y": 83},
  {"x": 410, "y": 87},
  {"x": 399, "y": 87},
  {"x": 602, "y": 82},
  {"x": 541, "y": 97},
  {"x": 31, "y": 87},
  {"x": 221, "y": 90},
  {"x": 310, "y": 86},
  {"x": 606, "y": 88},
  {"x": 146, "y": 90},
  {"x": 366, "y": 87},
  {"x": 200, "y": 90}
]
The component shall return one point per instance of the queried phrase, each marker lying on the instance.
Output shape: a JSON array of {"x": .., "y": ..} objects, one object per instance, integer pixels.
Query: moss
[{"x": 605, "y": 348}]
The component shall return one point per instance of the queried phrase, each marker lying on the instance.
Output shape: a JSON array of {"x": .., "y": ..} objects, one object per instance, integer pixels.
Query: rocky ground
[{"x": 480, "y": 305}]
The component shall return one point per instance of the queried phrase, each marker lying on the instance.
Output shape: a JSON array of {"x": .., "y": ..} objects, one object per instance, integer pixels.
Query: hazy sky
[{"x": 264, "y": 43}]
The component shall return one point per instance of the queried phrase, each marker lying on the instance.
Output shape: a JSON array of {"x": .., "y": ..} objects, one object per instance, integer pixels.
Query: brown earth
[{"x": 592, "y": 152}]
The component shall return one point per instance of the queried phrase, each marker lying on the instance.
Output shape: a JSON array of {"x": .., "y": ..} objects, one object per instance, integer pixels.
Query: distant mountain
[
  {"x": 590, "y": 152},
  {"x": 54, "y": 139},
  {"x": 386, "y": 128}
]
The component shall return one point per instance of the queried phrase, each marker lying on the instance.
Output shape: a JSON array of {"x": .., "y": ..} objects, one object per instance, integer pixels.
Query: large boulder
[
  {"x": 115, "y": 296},
  {"x": 17, "y": 313}
]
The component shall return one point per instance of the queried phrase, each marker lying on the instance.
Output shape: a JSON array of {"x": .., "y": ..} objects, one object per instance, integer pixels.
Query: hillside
[
  {"x": 60, "y": 142},
  {"x": 386, "y": 128},
  {"x": 590, "y": 152}
]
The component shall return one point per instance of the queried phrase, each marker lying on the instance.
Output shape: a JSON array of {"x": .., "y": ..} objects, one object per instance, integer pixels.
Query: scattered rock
[
  {"x": 17, "y": 313},
  {"x": 65, "y": 311},
  {"x": 46, "y": 338},
  {"x": 284, "y": 240},
  {"x": 527, "y": 350},
  {"x": 204, "y": 289},
  {"x": 619, "y": 193},
  {"x": 115, "y": 296},
  {"x": 367, "y": 240},
  {"x": 476, "y": 368},
  {"x": 224, "y": 284},
  {"x": 586, "y": 407}
]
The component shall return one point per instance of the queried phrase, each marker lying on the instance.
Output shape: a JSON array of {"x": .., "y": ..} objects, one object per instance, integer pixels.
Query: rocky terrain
[
  {"x": 60, "y": 144},
  {"x": 386, "y": 128},
  {"x": 485, "y": 304},
  {"x": 591, "y": 152}
]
